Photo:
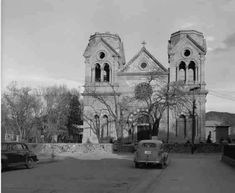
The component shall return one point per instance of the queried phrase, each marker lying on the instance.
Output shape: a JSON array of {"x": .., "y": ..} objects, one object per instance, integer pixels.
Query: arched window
[
  {"x": 106, "y": 73},
  {"x": 97, "y": 121},
  {"x": 182, "y": 71},
  {"x": 97, "y": 73},
  {"x": 192, "y": 71},
  {"x": 106, "y": 126},
  {"x": 181, "y": 126},
  {"x": 97, "y": 125}
]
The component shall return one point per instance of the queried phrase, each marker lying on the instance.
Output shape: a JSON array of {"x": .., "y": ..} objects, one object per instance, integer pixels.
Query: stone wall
[
  {"x": 199, "y": 148},
  {"x": 229, "y": 151},
  {"x": 176, "y": 148},
  {"x": 229, "y": 154},
  {"x": 48, "y": 148}
]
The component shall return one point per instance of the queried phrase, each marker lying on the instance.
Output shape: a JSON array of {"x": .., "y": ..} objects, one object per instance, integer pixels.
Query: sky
[{"x": 43, "y": 41}]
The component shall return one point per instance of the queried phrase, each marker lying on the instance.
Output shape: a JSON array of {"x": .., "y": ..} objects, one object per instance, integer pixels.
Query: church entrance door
[{"x": 143, "y": 132}]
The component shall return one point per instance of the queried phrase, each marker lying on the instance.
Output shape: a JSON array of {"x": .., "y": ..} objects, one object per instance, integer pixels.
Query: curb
[
  {"x": 43, "y": 161},
  {"x": 47, "y": 159},
  {"x": 228, "y": 160}
]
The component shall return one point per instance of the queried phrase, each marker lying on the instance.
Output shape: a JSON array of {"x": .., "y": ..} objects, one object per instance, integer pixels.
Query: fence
[{"x": 229, "y": 151}]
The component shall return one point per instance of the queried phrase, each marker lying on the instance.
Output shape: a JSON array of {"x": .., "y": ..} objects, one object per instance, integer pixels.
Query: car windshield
[
  {"x": 5, "y": 147},
  {"x": 149, "y": 145}
]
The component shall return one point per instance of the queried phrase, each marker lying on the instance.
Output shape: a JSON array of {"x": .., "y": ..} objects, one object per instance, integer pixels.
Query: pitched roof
[
  {"x": 215, "y": 123},
  {"x": 196, "y": 44},
  {"x": 110, "y": 47},
  {"x": 143, "y": 49},
  {"x": 105, "y": 43}
]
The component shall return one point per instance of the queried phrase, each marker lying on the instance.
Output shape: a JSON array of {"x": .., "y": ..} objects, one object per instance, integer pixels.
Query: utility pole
[
  {"x": 193, "y": 117},
  {"x": 168, "y": 108},
  {"x": 193, "y": 121}
]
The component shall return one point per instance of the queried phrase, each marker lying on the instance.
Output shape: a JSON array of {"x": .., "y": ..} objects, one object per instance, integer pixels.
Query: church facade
[{"x": 109, "y": 79}]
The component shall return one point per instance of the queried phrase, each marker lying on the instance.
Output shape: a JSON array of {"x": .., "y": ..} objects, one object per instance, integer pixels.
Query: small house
[{"x": 219, "y": 131}]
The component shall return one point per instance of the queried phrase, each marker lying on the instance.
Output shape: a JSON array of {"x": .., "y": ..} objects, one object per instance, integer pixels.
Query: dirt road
[
  {"x": 76, "y": 176},
  {"x": 186, "y": 173}
]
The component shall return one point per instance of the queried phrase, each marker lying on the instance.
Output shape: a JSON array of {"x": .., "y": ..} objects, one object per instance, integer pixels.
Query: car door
[
  {"x": 13, "y": 154},
  {"x": 26, "y": 151},
  {"x": 6, "y": 150},
  {"x": 21, "y": 153}
]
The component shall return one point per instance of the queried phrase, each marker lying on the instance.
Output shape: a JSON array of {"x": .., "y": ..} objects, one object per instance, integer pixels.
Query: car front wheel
[
  {"x": 3, "y": 166},
  {"x": 30, "y": 163},
  {"x": 137, "y": 165}
]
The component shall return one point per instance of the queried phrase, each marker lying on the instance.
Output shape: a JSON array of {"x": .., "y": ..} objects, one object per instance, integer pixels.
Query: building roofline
[
  {"x": 143, "y": 49},
  {"x": 105, "y": 34},
  {"x": 186, "y": 32}
]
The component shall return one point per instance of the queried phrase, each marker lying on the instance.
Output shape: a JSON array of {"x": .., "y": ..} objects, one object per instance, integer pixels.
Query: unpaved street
[
  {"x": 76, "y": 176},
  {"x": 186, "y": 173}
]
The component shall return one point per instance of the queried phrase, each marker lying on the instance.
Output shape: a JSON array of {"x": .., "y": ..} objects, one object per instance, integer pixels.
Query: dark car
[
  {"x": 150, "y": 152},
  {"x": 17, "y": 154}
]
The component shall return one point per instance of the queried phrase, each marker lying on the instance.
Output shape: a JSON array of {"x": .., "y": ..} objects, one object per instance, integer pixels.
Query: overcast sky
[{"x": 43, "y": 40}]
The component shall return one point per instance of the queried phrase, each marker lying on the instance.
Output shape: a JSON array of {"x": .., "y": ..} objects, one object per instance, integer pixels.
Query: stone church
[{"x": 111, "y": 78}]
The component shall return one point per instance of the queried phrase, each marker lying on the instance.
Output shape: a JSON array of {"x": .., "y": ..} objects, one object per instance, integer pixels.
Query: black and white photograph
[{"x": 117, "y": 96}]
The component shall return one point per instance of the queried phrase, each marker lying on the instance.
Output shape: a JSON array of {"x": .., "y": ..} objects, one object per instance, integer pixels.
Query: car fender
[
  {"x": 135, "y": 156},
  {"x": 164, "y": 156},
  {"x": 32, "y": 155},
  {"x": 4, "y": 160},
  {"x": 4, "y": 157}
]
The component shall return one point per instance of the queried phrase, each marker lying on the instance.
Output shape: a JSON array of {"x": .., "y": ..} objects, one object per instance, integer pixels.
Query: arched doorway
[{"x": 143, "y": 131}]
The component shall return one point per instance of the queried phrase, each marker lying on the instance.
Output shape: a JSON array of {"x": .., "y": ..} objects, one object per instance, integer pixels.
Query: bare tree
[
  {"x": 56, "y": 101},
  {"x": 158, "y": 97},
  {"x": 111, "y": 104},
  {"x": 22, "y": 107}
]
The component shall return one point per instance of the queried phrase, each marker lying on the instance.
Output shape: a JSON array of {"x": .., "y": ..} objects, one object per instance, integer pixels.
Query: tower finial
[{"x": 143, "y": 43}]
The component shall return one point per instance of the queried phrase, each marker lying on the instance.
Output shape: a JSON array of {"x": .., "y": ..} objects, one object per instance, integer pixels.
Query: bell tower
[
  {"x": 186, "y": 57},
  {"x": 104, "y": 57}
]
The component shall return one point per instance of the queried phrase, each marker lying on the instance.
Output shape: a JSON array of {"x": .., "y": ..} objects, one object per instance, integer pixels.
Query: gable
[
  {"x": 101, "y": 43},
  {"x": 143, "y": 62},
  {"x": 188, "y": 41}
]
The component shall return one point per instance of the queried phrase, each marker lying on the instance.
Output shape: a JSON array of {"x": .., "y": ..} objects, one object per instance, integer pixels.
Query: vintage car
[
  {"x": 17, "y": 154},
  {"x": 150, "y": 152}
]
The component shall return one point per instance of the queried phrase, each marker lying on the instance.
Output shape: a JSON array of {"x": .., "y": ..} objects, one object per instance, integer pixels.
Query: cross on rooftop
[{"x": 143, "y": 43}]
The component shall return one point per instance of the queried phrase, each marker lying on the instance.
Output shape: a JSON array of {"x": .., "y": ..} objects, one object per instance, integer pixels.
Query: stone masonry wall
[{"x": 48, "y": 148}]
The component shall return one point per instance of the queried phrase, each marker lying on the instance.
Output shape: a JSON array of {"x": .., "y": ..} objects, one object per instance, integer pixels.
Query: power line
[
  {"x": 224, "y": 92},
  {"x": 230, "y": 94},
  {"x": 223, "y": 97}
]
